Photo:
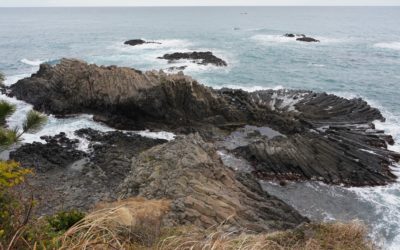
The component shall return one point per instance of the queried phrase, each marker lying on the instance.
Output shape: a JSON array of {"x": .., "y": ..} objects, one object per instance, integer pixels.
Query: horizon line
[{"x": 139, "y": 6}]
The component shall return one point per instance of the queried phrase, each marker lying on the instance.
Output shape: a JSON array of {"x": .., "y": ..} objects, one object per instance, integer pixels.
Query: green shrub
[{"x": 63, "y": 220}]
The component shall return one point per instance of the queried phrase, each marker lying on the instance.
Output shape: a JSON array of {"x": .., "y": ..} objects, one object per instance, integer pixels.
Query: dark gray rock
[
  {"x": 202, "y": 58},
  {"x": 66, "y": 178},
  {"x": 203, "y": 192},
  {"x": 135, "y": 42},
  {"x": 307, "y": 39},
  {"x": 57, "y": 153},
  {"x": 125, "y": 98},
  {"x": 301, "y": 37}
]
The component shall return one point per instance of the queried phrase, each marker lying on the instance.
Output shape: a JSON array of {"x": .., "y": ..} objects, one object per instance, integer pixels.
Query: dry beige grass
[
  {"x": 332, "y": 236},
  {"x": 136, "y": 224},
  {"x": 118, "y": 225}
]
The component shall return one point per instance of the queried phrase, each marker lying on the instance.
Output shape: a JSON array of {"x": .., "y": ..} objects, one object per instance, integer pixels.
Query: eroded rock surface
[
  {"x": 67, "y": 178},
  {"x": 189, "y": 172},
  {"x": 318, "y": 127},
  {"x": 57, "y": 152},
  {"x": 202, "y": 58}
]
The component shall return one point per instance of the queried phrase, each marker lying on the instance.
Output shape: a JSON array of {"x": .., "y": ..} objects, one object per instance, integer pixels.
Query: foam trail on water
[
  {"x": 32, "y": 62},
  {"x": 249, "y": 88},
  {"x": 10, "y": 80},
  {"x": 392, "y": 45},
  {"x": 274, "y": 39},
  {"x": 157, "y": 45}
]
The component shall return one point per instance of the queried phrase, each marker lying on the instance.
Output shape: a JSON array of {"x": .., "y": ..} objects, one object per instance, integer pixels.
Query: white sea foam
[
  {"x": 32, "y": 62},
  {"x": 10, "y": 80},
  {"x": 392, "y": 124},
  {"x": 148, "y": 59},
  {"x": 386, "y": 203},
  {"x": 273, "y": 39},
  {"x": 391, "y": 45},
  {"x": 157, "y": 45},
  {"x": 384, "y": 200},
  {"x": 157, "y": 135},
  {"x": 249, "y": 88}
]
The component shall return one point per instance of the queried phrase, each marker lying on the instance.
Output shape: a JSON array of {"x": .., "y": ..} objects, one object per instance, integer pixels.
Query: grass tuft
[
  {"x": 137, "y": 224},
  {"x": 33, "y": 121},
  {"x": 120, "y": 225},
  {"x": 340, "y": 236},
  {"x": 8, "y": 137},
  {"x": 6, "y": 109}
]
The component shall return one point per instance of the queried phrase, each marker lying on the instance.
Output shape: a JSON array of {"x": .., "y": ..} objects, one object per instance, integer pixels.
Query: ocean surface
[{"x": 359, "y": 56}]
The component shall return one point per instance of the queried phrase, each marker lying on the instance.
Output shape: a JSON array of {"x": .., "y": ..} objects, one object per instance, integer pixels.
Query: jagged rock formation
[
  {"x": 202, "y": 190},
  {"x": 202, "y": 58},
  {"x": 67, "y": 178},
  {"x": 317, "y": 127},
  {"x": 135, "y": 42},
  {"x": 57, "y": 152}
]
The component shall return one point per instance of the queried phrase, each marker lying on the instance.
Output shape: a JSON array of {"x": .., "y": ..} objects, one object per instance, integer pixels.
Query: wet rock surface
[
  {"x": 202, "y": 58},
  {"x": 57, "y": 152},
  {"x": 135, "y": 42},
  {"x": 307, "y": 39},
  {"x": 315, "y": 128},
  {"x": 189, "y": 172},
  {"x": 302, "y": 38},
  {"x": 67, "y": 178}
]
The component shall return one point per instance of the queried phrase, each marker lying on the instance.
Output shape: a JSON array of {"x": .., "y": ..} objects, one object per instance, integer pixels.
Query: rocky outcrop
[
  {"x": 58, "y": 152},
  {"x": 68, "y": 178},
  {"x": 301, "y": 37},
  {"x": 203, "y": 192},
  {"x": 130, "y": 99},
  {"x": 307, "y": 39},
  {"x": 202, "y": 58},
  {"x": 338, "y": 157},
  {"x": 136, "y": 42}
]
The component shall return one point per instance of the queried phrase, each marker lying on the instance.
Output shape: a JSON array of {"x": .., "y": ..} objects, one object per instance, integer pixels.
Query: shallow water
[{"x": 359, "y": 56}]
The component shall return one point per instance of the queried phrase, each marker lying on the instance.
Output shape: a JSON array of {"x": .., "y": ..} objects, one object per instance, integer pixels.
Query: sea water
[{"x": 358, "y": 56}]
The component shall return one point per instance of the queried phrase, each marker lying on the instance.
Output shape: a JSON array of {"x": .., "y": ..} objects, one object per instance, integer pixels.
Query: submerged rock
[
  {"x": 204, "y": 192},
  {"x": 301, "y": 37},
  {"x": 290, "y": 35},
  {"x": 135, "y": 42},
  {"x": 202, "y": 58},
  {"x": 308, "y": 39},
  {"x": 317, "y": 127},
  {"x": 180, "y": 68}
]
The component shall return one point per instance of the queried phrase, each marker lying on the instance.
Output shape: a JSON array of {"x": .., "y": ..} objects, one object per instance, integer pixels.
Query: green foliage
[
  {"x": 11, "y": 209},
  {"x": 63, "y": 220},
  {"x": 8, "y": 136},
  {"x": 6, "y": 109},
  {"x": 11, "y": 174},
  {"x": 34, "y": 120},
  {"x": 2, "y": 78}
]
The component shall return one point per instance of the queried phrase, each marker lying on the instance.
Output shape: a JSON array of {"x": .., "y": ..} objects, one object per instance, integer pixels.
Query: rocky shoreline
[{"x": 279, "y": 135}]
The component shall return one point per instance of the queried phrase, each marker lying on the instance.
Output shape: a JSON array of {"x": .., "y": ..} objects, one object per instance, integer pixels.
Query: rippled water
[{"x": 359, "y": 56}]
